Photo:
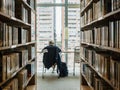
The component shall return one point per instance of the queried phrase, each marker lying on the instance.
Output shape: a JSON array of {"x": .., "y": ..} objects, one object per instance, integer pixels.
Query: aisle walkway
[{"x": 51, "y": 82}]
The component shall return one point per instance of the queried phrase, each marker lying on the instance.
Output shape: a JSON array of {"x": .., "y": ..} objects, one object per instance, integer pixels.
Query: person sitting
[{"x": 51, "y": 56}]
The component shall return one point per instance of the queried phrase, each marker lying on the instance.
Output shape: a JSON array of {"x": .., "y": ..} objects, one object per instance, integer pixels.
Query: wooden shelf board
[
  {"x": 85, "y": 87},
  {"x": 112, "y": 14},
  {"x": 5, "y": 48},
  {"x": 15, "y": 46},
  {"x": 93, "y": 24},
  {"x": 102, "y": 20},
  {"x": 31, "y": 87},
  {"x": 102, "y": 47},
  {"x": 29, "y": 78},
  {"x": 13, "y": 21},
  {"x": 29, "y": 61}
]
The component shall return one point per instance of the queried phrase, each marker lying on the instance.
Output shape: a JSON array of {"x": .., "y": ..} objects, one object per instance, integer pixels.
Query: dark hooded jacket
[{"x": 51, "y": 56}]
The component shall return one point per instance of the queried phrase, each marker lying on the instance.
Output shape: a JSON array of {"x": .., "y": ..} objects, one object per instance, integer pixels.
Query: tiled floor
[{"x": 51, "y": 81}]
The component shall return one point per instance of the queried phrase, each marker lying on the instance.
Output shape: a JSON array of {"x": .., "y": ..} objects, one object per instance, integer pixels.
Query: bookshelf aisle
[
  {"x": 17, "y": 45},
  {"x": 100, "y": 44}
]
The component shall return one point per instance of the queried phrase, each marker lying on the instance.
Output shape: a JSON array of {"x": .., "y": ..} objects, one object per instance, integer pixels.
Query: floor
[{"x": 52, "y": 82}]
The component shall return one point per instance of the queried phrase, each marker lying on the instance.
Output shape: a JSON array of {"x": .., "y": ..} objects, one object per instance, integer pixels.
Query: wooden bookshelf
[
  {"x": 17, "y": 44},
  {"x": 100, "y": 44}
]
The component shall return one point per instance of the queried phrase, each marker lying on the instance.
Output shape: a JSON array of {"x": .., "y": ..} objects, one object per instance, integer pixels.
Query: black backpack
[{"x": 63, "y": 70}]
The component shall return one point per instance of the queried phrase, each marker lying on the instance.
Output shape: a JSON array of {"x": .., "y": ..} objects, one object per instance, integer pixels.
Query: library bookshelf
[
  {"x": 17, "y": 45},
  {"x": 100, "y": 44}
]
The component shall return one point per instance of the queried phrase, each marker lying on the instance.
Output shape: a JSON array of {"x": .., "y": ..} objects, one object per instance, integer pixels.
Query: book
[
  {"x": 8, "y": 66},
  {"x": 23, "y": 57},
  {"x": 3, "y": 6},
  {"x": 31, "y": 87},
  {"x": 22, "y": 79},
  {"x": 22, "y": 37},
  {"x": 15, "y": 35},
  {"x": 10, "y": 35},
  {"x": 1, "y": 34},
  {"x": 3, "y": 68},
  {"x": 30, "y": 69}
]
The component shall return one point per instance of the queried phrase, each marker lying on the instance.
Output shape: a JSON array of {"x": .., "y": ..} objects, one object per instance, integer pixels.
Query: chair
[{"x": 44, "y": 69}]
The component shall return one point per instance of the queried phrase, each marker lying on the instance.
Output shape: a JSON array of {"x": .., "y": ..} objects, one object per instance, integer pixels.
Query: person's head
[{"x": 51, "y": 42}]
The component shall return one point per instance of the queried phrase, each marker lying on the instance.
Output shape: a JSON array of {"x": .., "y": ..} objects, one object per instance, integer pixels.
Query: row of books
[
  {"x": 93, "y": 79},
  {"x": 87, "y": 36},
  {"x": 21, "y": 12},
  {"x": 9, "y": 35},
  {"x": 87, "y": 17},
  {"x": 93, "y": 13},
  {"x": 106, "y": 65},
  {"x": 101, "y": 36},
  {"x": 20, "y": 81},
  {"x": 115, "y": 4},
  {"x": 88, "y": 74},
  {"x": 98, "y": 10},
  {"x": 11, "y": 62},
  {"x": 98, "y": 36},
  {"x": 7, "y": 7},
  {"x": 105, "y": 35},
  {"x": 12, "y": 8},
  {"x": 101, "y": 85},
  {"x": 114, "y": 29}
]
